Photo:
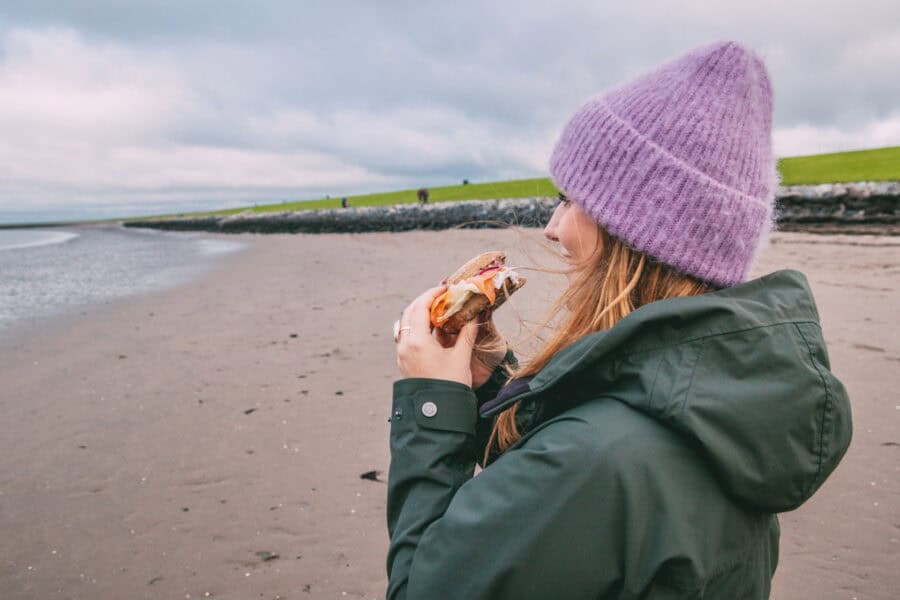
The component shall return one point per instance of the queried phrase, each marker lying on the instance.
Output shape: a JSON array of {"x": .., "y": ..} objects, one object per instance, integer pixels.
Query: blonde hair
[{"x": 604, "y": 288}]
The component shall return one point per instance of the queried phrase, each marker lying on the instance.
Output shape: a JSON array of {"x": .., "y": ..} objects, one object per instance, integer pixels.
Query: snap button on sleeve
[{"x": 429, "y": 409}]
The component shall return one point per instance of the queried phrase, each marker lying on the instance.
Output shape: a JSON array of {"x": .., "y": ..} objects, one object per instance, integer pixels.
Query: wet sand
[{"x": 208, "y": 441}]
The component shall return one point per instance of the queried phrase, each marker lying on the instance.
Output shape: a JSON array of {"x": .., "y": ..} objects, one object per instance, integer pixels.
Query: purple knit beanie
[{"x": 678, "y": 163}]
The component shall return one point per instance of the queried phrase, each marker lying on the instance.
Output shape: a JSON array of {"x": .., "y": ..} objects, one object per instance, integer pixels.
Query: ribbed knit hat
[{"x": 678, "y": 163}]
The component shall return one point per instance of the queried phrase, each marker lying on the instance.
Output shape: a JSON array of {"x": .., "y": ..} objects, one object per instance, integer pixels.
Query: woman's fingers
[
  {"x": 487, "y": 331},
  {"x": 445, "y": 339},
  {"x": 465, "y": 341},
  {"x": 421, "y": 354},
  {"x": 417, "y": 316}
]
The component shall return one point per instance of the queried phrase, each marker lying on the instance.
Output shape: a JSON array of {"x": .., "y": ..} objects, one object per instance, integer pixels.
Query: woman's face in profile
[{"x": 573, "y": 229}]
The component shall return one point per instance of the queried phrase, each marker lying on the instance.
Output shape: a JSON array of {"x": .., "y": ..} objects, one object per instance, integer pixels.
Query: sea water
[{"x": 45, "y": 272}]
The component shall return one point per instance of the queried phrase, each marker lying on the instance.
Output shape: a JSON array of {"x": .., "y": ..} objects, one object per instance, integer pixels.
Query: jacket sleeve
[
  {"x": 488, "y": 392},
  {"x": 501, "y": 534}
]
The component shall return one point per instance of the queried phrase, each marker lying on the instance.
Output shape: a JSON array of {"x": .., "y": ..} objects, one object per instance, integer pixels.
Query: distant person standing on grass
[
  {"x": 675, "y": 407},
  {"x": 344, "y": 203},
  {"x": 423, "y": 195}
]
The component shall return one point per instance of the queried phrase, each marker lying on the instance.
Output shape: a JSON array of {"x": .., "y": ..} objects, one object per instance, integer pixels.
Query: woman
[{"x": 645, "y": 451}]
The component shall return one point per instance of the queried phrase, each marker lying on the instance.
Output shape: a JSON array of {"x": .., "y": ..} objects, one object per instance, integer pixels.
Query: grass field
[
  {"x": 520, "y": 188},
  {"x": 880, "y": 164}
]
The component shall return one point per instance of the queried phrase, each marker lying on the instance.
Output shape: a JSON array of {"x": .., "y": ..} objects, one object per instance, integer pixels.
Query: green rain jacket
[{"x": 654, "y": 458}]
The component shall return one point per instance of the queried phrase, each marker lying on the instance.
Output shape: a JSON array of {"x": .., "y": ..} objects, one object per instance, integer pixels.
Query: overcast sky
[{"x": 178, "y": 102}]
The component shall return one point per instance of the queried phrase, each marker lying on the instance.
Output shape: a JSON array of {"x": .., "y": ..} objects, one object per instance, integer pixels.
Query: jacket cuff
[{"x": 434, "y": 404}]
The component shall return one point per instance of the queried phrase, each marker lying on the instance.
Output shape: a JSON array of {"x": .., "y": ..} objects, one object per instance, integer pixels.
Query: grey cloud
[
  {"x": 408, "y": 93},
  {"x": 503, "y": 59}
]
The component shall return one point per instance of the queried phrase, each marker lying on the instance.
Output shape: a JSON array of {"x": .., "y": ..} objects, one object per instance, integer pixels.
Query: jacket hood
[{"x": 742, "y": 372}]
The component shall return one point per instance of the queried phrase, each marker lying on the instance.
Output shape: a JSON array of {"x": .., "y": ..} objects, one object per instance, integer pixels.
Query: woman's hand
[
  {"x": 489, "y": 350},
  {"x": 421, "y": 354}
]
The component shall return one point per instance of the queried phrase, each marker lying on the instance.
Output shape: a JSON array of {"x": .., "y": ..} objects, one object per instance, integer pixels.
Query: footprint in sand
[{"x": 869, "y": 348}]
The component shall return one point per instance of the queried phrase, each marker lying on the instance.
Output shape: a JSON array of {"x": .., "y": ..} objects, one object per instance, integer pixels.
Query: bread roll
[{"x": 478, "y": 302}]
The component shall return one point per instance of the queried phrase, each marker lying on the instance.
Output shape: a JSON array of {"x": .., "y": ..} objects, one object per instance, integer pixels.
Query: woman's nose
[
  {"x": 550, "y": 229},
  {"x": 549, "y": 233}
]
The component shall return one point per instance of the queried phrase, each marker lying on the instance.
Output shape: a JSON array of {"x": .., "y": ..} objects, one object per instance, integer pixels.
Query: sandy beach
[{"x": 208, "y": 441}]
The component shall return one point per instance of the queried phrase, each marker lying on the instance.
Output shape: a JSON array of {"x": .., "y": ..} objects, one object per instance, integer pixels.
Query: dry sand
[{"x": 152, "y": 448}]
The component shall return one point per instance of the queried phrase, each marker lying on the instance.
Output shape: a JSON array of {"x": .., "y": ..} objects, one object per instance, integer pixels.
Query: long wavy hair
[{"x": 610, "y": 283}]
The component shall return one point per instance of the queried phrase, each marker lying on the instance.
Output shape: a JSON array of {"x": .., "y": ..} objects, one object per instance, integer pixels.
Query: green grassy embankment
[
  {"x": 880, "y": 164},
  {"x": 520, "y": 188}
]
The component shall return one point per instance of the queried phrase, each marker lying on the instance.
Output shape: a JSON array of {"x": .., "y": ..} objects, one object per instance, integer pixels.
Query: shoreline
[
  {"x": 161, "y": 443},
  {"x": 163, "y": 275}
]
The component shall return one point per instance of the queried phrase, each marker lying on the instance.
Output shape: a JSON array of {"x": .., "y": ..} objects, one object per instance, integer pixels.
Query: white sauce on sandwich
[
  {"x": 505, "y": 274},
  {"x": 459, "y": 293}
]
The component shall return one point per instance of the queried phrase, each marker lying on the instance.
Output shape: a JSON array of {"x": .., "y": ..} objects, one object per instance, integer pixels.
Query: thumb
[{"x": 465, "y": 342}]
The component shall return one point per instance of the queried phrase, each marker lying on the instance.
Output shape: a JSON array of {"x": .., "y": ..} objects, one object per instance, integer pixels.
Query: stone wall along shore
[{"x": 867, "y": 207}]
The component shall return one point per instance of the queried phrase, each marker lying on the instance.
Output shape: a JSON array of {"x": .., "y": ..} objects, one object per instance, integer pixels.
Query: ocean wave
[{"x": 15, "y": 239}]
